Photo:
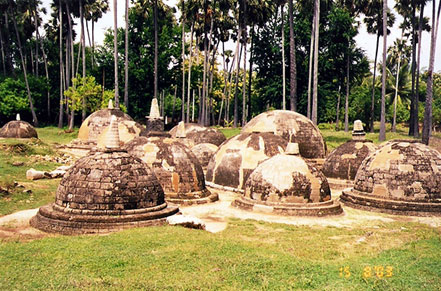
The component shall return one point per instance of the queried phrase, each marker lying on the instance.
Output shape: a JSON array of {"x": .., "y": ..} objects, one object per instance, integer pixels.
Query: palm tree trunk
[
  {"x": 413, "y": 113},
  {"x": 371, "y": 126},
  {"x": 311, "y": 60},
  {"x": 3, "y": 53},
  {"x": 183, "y": 61},
  {"x": 31, "y": 105},
  {"x": 427, "y": 126},
  {"x": 115, "y": 52},
  {"x": 244, "y": 80},
  {"x": 382, "y": 136},
  {"x": 47, "y": 77},
  {"x": 60, "y": 116},
  {"x": 283, "y": 60},
  {"x": 126, "y": 58},
  {"x": 93, "y": 43},
  {"x": 190, "y": 63},
  {"x": 417, "y": 85},
  {"x": 236, "y": 97},
  {"x": 292, "y": 59},
  {"x": 36, "y": 40},
  {"x": 316, "y": 46},
  {"x": 174, "y": 104},
  {"x": 337, "y": 118},
  {"x": 347, "y": 92},
  {"x": 83, "y": 52},
  {"x": 394, "y": 120},
  {"x": 155, "y": 24}
]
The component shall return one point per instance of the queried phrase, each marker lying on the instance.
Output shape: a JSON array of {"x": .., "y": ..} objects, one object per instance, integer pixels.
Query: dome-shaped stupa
[
  {"x": 342, "y": 164},
  {"x": 92, "y": 130},
  {"x": 177, "y": 169},
  {"x": 293, "y": 127},
  {"x": 204, "y": 152},
  {"x": 401, "y": 177},
  {"x": 193, "y": 134},
  {"x": 18, "y": 129},
  {"x": 106, "y": 191},
  {"x": 287, "y": 184},
  {"x": 237, "y": 157}
]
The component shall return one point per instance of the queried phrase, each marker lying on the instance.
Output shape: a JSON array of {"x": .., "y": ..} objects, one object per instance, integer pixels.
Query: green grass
[
  {"x": 230, "y": 131},
  {"x": 54, "y": 135},
  {"x": 247, "y": 255}
]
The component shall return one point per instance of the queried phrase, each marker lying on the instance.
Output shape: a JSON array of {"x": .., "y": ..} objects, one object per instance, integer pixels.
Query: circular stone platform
[
  {"x": 196, "y": 134},
  {"x": 176, "y": 167},
  {"x": 293, "y": 127},
  {"x": 286, "y": 184},
  {"x": 239, "y": 156},
  {"x": 401, "y": 177},
  {"x": 18, "y": 129}
]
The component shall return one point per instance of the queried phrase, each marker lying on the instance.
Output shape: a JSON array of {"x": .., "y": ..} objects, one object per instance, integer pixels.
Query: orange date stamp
[{"x": 379, "y": 272}]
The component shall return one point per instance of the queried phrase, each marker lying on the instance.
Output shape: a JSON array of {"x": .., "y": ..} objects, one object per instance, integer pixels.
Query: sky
[{"x": 364, "y": 40}]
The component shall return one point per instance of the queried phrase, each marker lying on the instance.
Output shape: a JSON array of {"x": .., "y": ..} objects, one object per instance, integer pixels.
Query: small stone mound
[
  {"x": 293, "y": 127},
  {"x": 196, "y": 134},
  {"x": 18, "y": 129},
  {"x": 240, "y": 155},
  {"x": 103, "y": 192},
  {"x": 401, "y": 177},
  {"x": 176, "y": 167},
  {"x": 342, "y": 164},
  {"x": 286, "y": 184},
  {"x": 204, "y": 152}
]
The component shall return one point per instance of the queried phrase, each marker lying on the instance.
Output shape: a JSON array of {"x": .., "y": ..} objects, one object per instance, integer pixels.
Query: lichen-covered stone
[
  {"x": 344, "y": 161},
  {"x": 94, "y": 127},
  {"x": 176, "y": 167},
  {"x": 400, "y": 177},
  {"x": 103, "y": 192},
  {"x": 287, "y": 184},
  {"x": 237, "y": 157},
  {"x": 196, "y": 134},
  {"x": 18, "y": 129},
  {"x": 293, "y": 127},
  {"x": 204, "y": 152}
]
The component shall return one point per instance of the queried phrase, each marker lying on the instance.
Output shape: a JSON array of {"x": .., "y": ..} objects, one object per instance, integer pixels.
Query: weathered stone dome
[
  {"x": 293, "y": 127},
  {"x": 18, "y": 129},
  {"x": 93, "y": 128},
  {"x": 105, "y": 191},
  {"x": 287, "y": 184},
  {"x": 204, "y": 152},
  {"x": 196, "y": 134},
  {"x": 237, "y": 157},
  {"x": 401, "y": 177},
  {"x": 342, "y": 164},
  {"x": 176, "y": 167}
]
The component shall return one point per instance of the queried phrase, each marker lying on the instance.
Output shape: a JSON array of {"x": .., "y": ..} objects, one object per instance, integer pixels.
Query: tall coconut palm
[
  {"x": 427, "y": 126},
  {"x": 115, "y": 51},
  {"x": 292, "y": 59},
  {"x": 60, "y": 16},
  {"x": 315, "y": 78},
  {"x": 382, "y": 136},
  {"x": 126, "y": 57}
]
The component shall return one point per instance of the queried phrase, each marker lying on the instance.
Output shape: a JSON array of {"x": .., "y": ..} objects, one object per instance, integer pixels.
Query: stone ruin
[
  {"x": 106, "y": 191},
  {"x": 154, "y": 121},
  {"x": 193, "y": 134},
  {"x": 342, "y": 164},
  {"x": 235, "y": 159},
  {"x": 293, "y": 127},
  {"x": 18, "y": 129},
  {"x": 204, "y": 152},
  {"x": 176, "y": 167},
  {"x": 401, "y": 177},
  {"x": 286, "y": 184},
  {"x": 93, "y": 129}
]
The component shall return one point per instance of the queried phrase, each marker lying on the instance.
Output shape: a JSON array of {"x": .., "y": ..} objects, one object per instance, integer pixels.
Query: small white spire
[
  {"x": 112, "y": 137},
  {"x": 18, "y": 116},
  {"x": 110, "y": 106},
  {"x": 292, "y": 149},
  {"x": 180, "y": 131},
  {"x": 154, "y": 109}
]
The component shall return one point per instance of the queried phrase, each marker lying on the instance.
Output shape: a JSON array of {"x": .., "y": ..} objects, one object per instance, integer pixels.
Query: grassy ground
[{"x": 247, "y": 255}]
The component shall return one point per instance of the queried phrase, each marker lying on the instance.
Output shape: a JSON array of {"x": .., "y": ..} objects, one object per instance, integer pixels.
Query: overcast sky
[{"x": 364, "y": 40}]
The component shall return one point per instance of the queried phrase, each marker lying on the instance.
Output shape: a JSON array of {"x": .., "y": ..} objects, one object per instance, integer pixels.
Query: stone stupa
[
  {"x": 107, "y": 191},
  {"x": 154, "y": 121},
  {"x": 287, "y": 184},
  {"x": 342, "y": 164},
  {"x": 18, "y": 129}
]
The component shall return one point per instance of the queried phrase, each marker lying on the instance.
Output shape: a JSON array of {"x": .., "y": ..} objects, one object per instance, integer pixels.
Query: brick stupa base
[{"x": 359, "y": 200}]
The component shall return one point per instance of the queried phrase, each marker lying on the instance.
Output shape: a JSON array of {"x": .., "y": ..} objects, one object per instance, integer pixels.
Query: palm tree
[
  {"x": 155, "y": 25},
  {"x": 60, "y": 15},
  {"x": 292, "y": 58},
  {"x": 115, "y": 51},
  {"x": 315, "y": 79},
  {"x": 382, "y": 136},
  {"x": 427, "y": 126},
  {"x": 126, "y": 57}
]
